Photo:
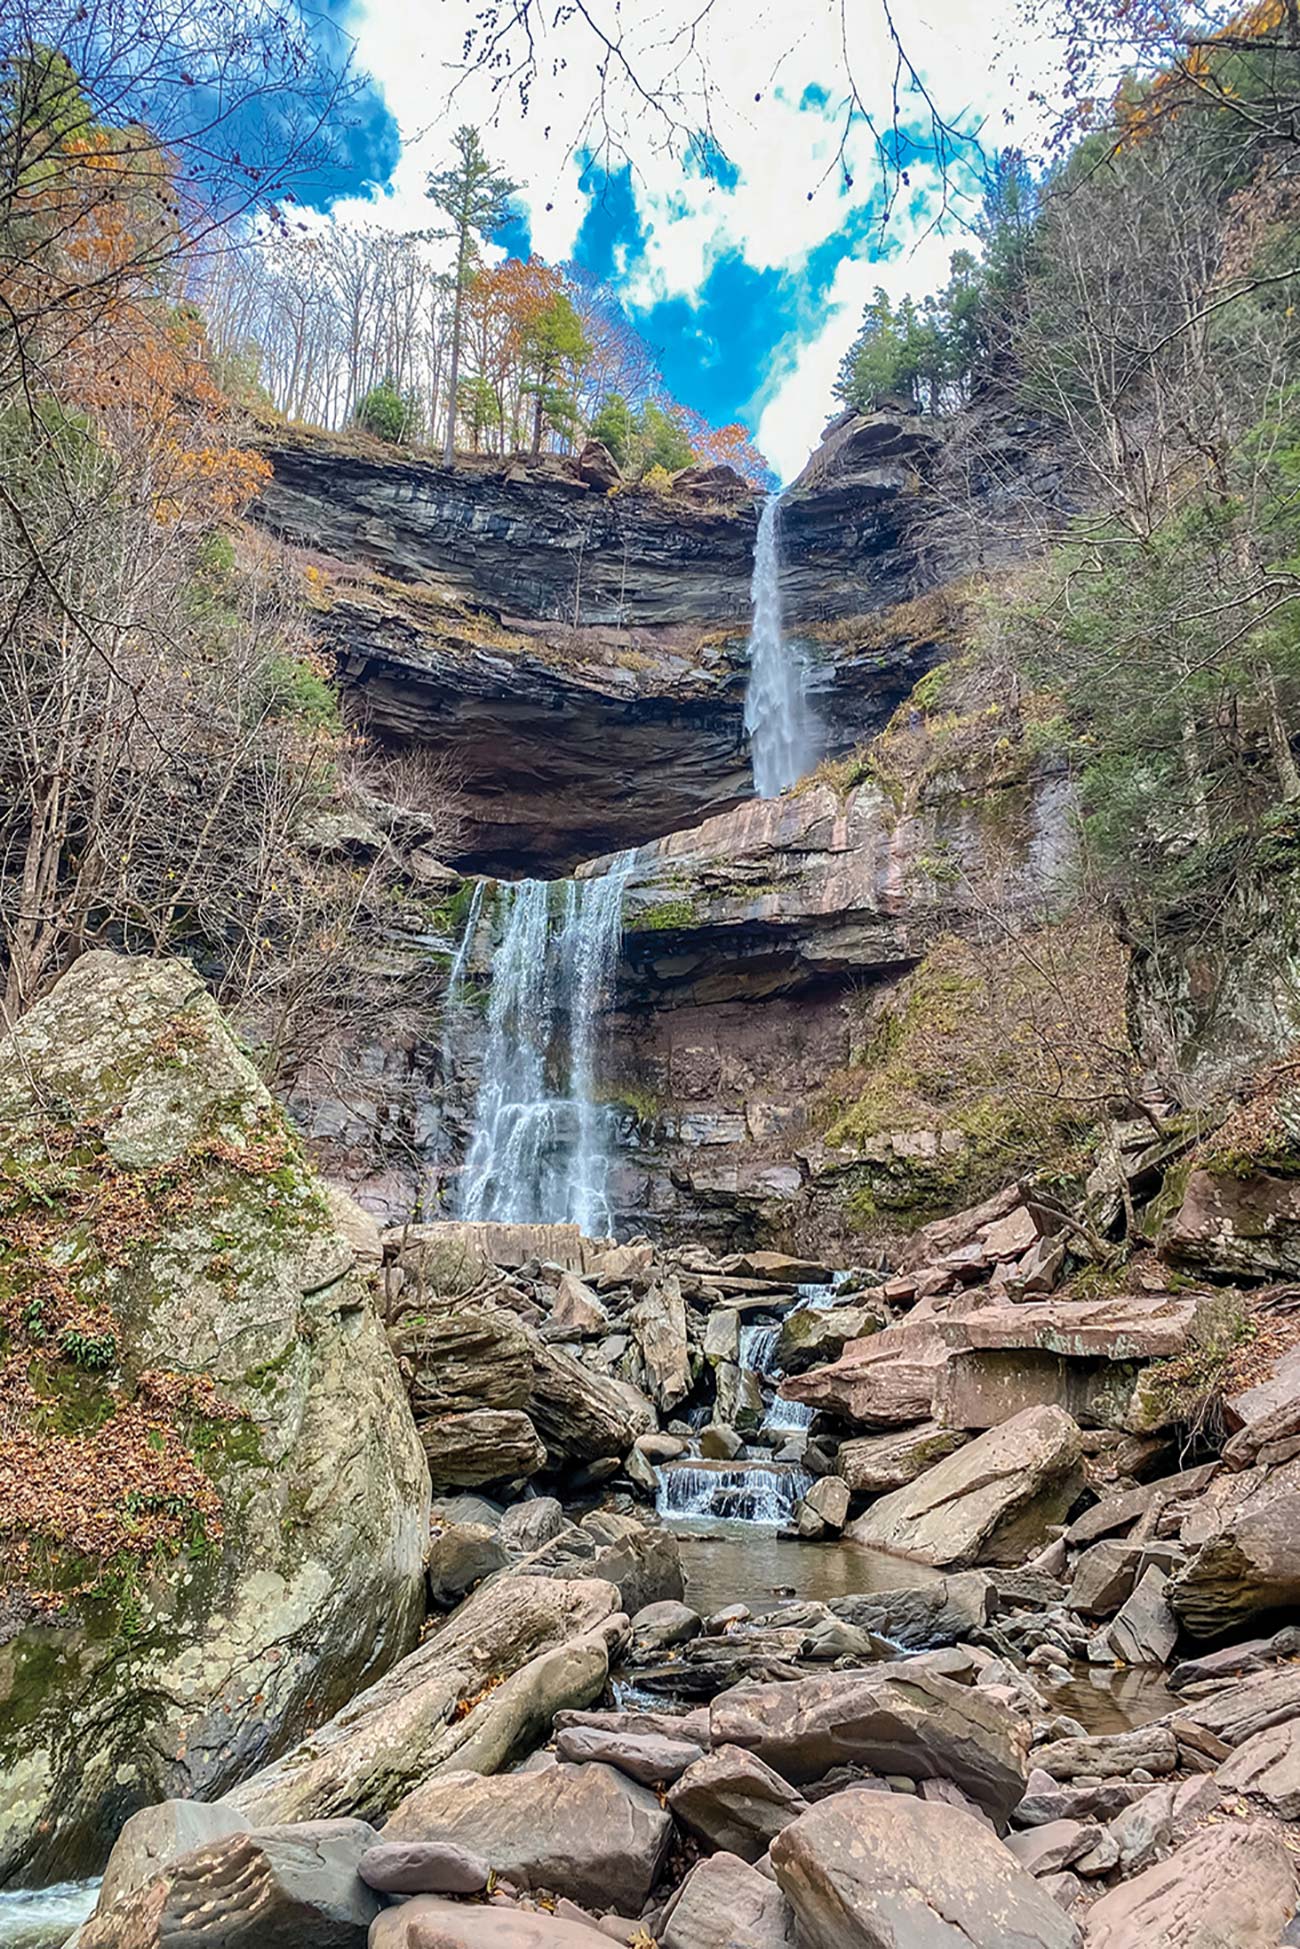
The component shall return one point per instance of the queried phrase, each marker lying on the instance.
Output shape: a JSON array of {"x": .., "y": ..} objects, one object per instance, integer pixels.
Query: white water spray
[
  {"x": 784, "y": 735},
  {"x": 542, "y": 1145}
]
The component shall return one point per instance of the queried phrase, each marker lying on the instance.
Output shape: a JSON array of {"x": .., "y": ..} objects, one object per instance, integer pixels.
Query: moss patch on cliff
[
  {"x": 968, "y": 726},
  {"x": 987, "y": 1060}
]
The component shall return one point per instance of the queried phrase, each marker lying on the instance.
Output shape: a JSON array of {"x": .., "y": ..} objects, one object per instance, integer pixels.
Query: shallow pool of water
[
  {"x": 44, "y": 1918},
  {"x": 748, "y": 1563},
  {"x": 1105, "y": 1699}
]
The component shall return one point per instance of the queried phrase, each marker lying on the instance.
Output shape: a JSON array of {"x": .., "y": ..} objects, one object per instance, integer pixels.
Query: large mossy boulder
[{"x": 213, "y": 1505}]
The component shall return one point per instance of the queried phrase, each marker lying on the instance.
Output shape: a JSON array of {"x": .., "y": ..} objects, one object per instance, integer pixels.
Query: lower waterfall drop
[
  {"x": 785, "y": 739},
  {"x": 540, "y": 1152}
]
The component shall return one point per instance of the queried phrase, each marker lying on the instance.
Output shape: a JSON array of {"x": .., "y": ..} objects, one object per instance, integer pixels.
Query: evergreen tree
[{"x": 476, "y": 198}]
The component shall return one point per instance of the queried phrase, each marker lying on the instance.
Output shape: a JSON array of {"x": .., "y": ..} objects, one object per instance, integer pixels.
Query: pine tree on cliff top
[{"x": 477, "y": 200}]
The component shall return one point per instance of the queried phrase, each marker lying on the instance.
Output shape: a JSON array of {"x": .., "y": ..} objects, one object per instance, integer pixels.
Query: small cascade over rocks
[
  {"x": 541, "y": 1146},
  {"x": 784, "y": 736},
  {"x": 748, "y": 1492}
]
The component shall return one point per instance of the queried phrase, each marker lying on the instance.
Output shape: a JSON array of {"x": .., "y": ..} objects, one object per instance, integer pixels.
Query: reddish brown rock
[{"x": 1229, "y": 1887}]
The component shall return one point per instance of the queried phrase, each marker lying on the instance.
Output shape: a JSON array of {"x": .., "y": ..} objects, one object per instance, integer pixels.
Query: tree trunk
[{"x": 453, "y": 376}]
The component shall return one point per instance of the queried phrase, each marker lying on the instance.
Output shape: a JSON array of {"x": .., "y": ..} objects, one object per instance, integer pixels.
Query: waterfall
[
  {"x": 758, "y": 1354},
  {"x": 540, "y": 1151},
  {"x": 749, "y": 1492},
  {"x": 784, "y": 736}
]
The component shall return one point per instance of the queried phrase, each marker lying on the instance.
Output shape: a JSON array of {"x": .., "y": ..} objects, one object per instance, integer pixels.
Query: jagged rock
[
  {"x": 1152, "y": 1825},
  {"x": 640, "y": 1559},
  {"x": 460, "y": 1556},
  {"x": 812, "y": 1334},
  {"x": 1088, "y": 1801},
  {"x": 1231, "y": 1227},
  {"x": 739, "y": 1400},
  {"x": 719, "y": 1443},
  {"x": 579, "y": 1415},
  {"x": 722, "y": 1902},
  {"x": 575, "y": 1306},
  {"x": 991, "y": 1502},
  {"x": 722, "y": 1336},
  {"x": 1103, "y": 1578},
  {"x": 1237, "y": 1660},
  {"x": 451, "y": 1256},
  {"x": 872, "y": 1464},
  {"x": 1143, "y": 1500},
  {"x": 659, "y": 1323},
  {"x": 1047, "y": 1849},
  {"x": 155, "y": 1837},
  {"x": 779, "y": 1266},
  {"x": 731, "y": 1800},
  {"x": 423, "y": 1868},
  {"x": 940, "y": 1611},
  {"x": 1124, "y": 1328},
  {"x": 1235, "y": 1713},
  {"x": 582, "y": 1831},
  {"x": 1145, "y": 1631},
  {"x": 1250, "y": 1565},
  {"x": 890, "y": 1719},
  {"x": 463, "y": 1356},
  {"x": 1229, "y": 1887},
  {"x": 875, "y": 1871},
  {"x": 885, "y": 1380},
  {"x": 976, "y": 1390},
  {"x": 693, "y": 1725},
  {"x": 713, "y": 481},
  {"x": 1267, "y": 1766},
  {"x": 648, "y": 1758},
  {"x": 428, "y": 1923},
  {"x": 1148, "y": 1749},
  {"x": 597, "y": 466},
  {"x": 546, "y": 1634},
  {"x": 273, "y": 1889},
  {"x": 249, "y": 1383},
  {"x": 486, "y": 1445}
]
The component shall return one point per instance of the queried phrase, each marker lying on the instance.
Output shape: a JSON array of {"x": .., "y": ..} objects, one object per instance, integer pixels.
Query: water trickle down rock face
[
  {"x": 581, "y": 656},
  {"x": 785, "y": 739},
  {"x": 215, "y": 1505}
]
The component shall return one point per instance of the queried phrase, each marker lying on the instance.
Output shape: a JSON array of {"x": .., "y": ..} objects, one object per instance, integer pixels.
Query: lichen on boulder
[{"x": 213, "y": 1505}]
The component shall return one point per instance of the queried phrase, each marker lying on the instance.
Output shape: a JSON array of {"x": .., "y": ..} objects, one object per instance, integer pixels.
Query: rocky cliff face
[{"x": 578, "y": 656}]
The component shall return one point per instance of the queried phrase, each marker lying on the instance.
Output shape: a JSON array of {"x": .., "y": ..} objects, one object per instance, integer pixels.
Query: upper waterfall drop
[
  {"x": 541, "y": 1146},
  {"x": 784, "y": 735}
]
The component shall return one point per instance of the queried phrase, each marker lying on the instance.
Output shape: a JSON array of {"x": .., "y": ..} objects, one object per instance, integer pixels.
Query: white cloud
[{"x": 791, "y": 195}]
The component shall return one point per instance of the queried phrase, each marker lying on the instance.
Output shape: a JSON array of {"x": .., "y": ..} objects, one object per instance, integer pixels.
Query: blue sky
[{"x": 748, "y": 279}]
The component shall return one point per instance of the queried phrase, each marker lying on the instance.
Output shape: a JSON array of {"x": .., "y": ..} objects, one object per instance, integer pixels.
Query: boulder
[
  {"x": 1153, "y": 1824},
  {"x": 275, "y": 1889},
  {"x": 827, "y": 1503},
  {"x": 423, "y": 1868},
  {"x": 886, "y": 1380},
  {"x": 462, "y": 1355},
  {"x": 428, "y": 1923},
  {"x": 731, "y": 1800},
  {"x": 991, "y": 1502},
  {"x": 873, "y": 1464},
  {"x": 1229, "y": 1887},
  {"x": 658, "y": 1322},
  {"x": 587, "y": 1832},
  {"x": 1145, "y": 1631},
  {"x": 597, "y": 466},
  {"x": 1047, "y": 1849},
  {"x": 649, "y": 1758},
  {"x": 252, "y": 1552},
  {"x": 580, "y": 1415},
  {"x": 641, "y": 1559},
  {"x": 577, "y": 1308},
  {"x": 525, "y": 1526},
  {"x": 155, "y": 1837},
  {"x": 888, "y": 1719},
  {"x": 658, "y": 1627},
  {"x": 811, "y": 1335},
  {"x": 723, "y": 1902},
  {"x": 460, "y": 1556},
  {"x": 719, "y": 1443},
  {"x": 938, "y": 1611},
  {"x": 1231, "y": 1227},
  {"x": 1103, "y": 1577},
  {"x": 880, "y": 1871},
  {"x": 440, "y": 1707},
  {"x": 1249, "y": 1565},
  {"x": 1148, "y": 1749},
  {"x": 486, "y": 1445},
  {"x": 1267, "y": 1767}
]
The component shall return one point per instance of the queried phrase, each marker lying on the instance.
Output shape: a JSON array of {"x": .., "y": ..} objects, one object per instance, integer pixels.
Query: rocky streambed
[{"x": 509, "y": 1589}]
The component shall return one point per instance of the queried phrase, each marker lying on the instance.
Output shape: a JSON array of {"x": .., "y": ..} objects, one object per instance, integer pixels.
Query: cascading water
[
  {"x": 541, "y": 1145},
  {"x": 748, "y": 1492},
  {"x": 784, "y": 736}
]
